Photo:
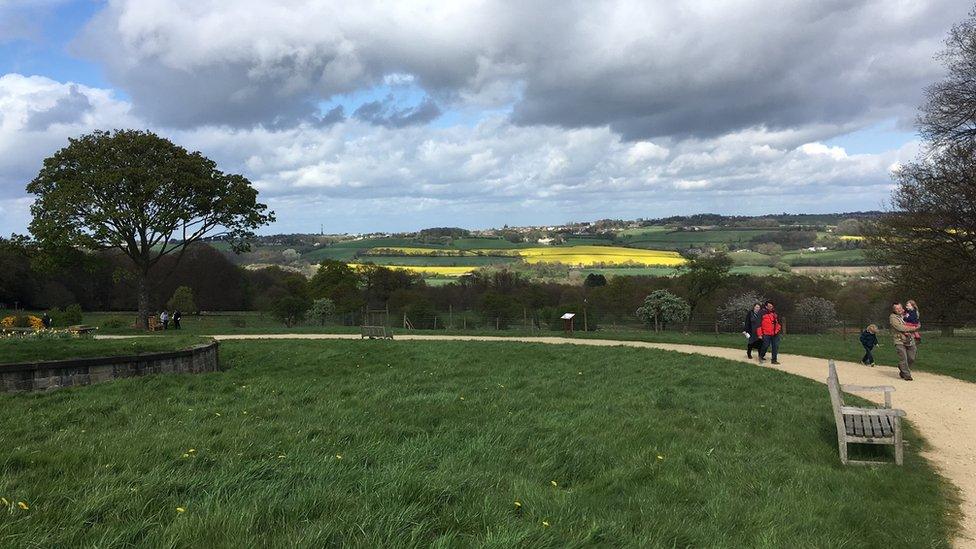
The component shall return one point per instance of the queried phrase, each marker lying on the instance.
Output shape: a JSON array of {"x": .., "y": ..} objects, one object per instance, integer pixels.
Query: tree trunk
[{"x": 144, "y": 301}]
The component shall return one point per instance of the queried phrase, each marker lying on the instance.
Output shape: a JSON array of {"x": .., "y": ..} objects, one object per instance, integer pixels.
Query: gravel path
[{"x": 942, "y": 408}]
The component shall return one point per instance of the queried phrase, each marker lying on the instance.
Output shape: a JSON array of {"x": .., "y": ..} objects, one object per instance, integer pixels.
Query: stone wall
[{"x": 54, "y": 374}]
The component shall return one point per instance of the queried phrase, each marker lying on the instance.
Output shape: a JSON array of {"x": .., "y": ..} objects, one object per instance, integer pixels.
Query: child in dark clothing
[{"x": 869, "y": 339}]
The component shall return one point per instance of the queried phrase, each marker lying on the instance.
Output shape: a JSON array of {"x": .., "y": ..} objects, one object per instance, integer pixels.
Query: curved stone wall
[{"x": 54, "y": 374}]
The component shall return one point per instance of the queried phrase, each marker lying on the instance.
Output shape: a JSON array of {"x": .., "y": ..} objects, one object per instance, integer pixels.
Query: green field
[
  {"x": 829, "y": 257},
  {"x": 657, "y": 239},
  {"x": 378, "y": 444},
  {"x": 30, "y": 350}
]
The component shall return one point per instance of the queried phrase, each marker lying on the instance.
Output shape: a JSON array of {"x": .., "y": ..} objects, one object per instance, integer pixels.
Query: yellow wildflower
[
  {"x": 553, "y": 483},
  {"x": 660, "y": 457},
  {"x": 545, "y": 523},
  {"x": 192, "y": 450},
  {"x": 4, "y": 501},
  {"x": 180, "y": 510},
  {"x": 518, "y": 504},
  {"x": 23, "y": 505},
  {"x": 338, "y": 456},
  {"x": 186, "y": 456}
]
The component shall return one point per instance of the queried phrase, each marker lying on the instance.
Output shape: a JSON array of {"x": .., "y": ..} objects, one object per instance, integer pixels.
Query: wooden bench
[
  {"x": 81, "y": 329},
  {"x": 381, "y": 332},
  {"x": 864, "y": 425}
]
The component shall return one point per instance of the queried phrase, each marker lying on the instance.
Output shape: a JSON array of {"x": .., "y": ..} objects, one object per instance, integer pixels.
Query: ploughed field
[{"x": 397, "y": 443}]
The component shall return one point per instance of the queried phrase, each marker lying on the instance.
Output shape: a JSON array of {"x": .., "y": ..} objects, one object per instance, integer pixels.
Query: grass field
[
  {"x": 29, "y": 350},
  {"x": 378, "y": 444},
  {"x": 828, "y": 257},
  {"x": 682, "y": 239}
]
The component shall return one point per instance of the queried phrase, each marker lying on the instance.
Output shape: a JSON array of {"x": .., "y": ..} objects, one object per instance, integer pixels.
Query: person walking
[
  {"x": 47, "y": 321},
  {"x": 751, "y": 329},
  {"x": 177, "y": 317},
  {"x": 869, "y": 340},
  {"x": 164, "y": 319},
  {"x": 770, "y": 330},
  {"x": 904, "y": 336}
]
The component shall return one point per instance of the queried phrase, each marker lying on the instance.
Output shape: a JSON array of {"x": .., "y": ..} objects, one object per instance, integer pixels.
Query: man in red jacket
[{"x": 770, "y": 329}]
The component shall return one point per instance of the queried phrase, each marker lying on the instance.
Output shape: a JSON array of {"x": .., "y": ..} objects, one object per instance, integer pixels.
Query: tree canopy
[{"x": 141, "y": 194}]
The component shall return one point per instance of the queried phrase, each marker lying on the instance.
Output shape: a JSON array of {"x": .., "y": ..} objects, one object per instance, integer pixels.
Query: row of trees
[{"x": 929, "y": 237}]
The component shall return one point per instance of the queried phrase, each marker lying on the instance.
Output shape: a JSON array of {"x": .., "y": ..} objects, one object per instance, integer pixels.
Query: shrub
[
  {"x": 322, "y": 309},
  {"x": 815, "y": 314},
  {"x": 733, "y": 311},
  {"x": 182, "y": 300},
  {"x": 72, "y": 315},
  {"x": 115, "y": 323},
  {"x": 662, "y": 307},
  {"x": 782, "y": 267},
  {"x": 290, "y": 310}
]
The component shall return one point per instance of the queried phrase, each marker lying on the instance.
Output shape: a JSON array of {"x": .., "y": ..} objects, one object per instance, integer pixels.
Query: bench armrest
[
  {"x": 867, "y": 388},
  {"x": 854, "y": 410}
]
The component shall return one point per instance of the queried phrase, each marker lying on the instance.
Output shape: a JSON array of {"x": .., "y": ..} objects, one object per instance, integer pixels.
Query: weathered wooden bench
[
  {"x": 380, "y": 332},
  {"x": 81, "y": 329},
  {"x": 857, "y": 425}
]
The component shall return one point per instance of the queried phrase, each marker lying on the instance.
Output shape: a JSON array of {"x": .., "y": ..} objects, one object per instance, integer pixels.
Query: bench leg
[
  {"x": 899, "y": 451},
  {"x": 842, "y": 445}
]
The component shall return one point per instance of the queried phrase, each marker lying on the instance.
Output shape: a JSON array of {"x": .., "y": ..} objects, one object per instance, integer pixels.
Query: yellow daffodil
[
  {"x": 518, "y": 504},
  {"x": 4, "y": 501},
  {"x": 553, "y": 483},
  {"x": 23, "y": 505},
  {"x": 185, "y": 456},
  {"x": 338, "y": 456},
  {"x": 660, "y": 457},
  {"x": 545, "y": 524},
  {"x": 180, "y": 510}
]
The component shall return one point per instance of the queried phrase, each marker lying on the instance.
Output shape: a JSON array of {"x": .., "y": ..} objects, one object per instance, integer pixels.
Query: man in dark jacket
[
  {"x": 751, "y": 329},
  {"x": 770, "y": 329}
]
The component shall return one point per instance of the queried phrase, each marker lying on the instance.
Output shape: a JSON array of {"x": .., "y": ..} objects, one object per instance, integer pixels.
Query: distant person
[
  {"x": 904, "y": 341},
  {"x": 751, "y": 329},
  {"x": 869, "y": 340},
  {"x": 164, "y": 319},
  {"x": 47, "y": 321},
  {"x": 912, "y": 319},
  {"x": 770, "y": 330},
  {"x": 177, "y": 317}
]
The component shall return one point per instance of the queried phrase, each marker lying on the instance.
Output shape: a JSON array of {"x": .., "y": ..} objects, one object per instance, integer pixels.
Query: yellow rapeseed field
[
  {"x": 428, "y": 270},
  {"x": 600, "y": 255},
  {"x": 585, "y": 256},
  {"x": 850, "y": 237}
]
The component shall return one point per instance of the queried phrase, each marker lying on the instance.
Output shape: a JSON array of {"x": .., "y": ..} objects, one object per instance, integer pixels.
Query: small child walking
[
  {"x": 912, "y": 319},
  {"x": 869, "y": 339}
]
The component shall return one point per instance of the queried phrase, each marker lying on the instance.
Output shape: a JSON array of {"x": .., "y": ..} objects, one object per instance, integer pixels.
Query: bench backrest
[{"x": 836, "y": 396}]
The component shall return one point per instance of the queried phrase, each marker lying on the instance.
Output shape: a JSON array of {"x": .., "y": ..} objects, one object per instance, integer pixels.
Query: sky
[{"x": 394, "y": 116}]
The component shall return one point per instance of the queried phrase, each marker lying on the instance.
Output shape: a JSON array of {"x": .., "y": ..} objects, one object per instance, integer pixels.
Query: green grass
[
  {"x": 438, "y": 440},
  {"x": 949, "y": 356},
  {"x": 671, "y": 271},
  {"x": 28, "y": 350},
  {"x": 839, "y": 258},
  {"x": 683, "y": 239}
]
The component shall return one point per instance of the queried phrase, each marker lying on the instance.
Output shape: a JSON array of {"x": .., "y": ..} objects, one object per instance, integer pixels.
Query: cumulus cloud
[
  {"x": 645, "y": 69},
  {"x": 355, "y": 175},
  {"x": 38, "y": 114}
]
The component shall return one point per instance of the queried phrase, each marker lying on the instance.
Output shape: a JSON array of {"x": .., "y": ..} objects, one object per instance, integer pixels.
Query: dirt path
[{"x": 943, "y": 408}]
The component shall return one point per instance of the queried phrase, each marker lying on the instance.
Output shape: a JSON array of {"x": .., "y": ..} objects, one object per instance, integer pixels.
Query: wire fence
[{"x": 540, "y": 322}]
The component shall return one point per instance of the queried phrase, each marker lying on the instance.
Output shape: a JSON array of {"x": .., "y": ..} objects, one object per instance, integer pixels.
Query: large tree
[
  {"x": 929, "y": 237},
  {"x": 143, "y": 195},
  {"x": 949, "y": 113}
]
